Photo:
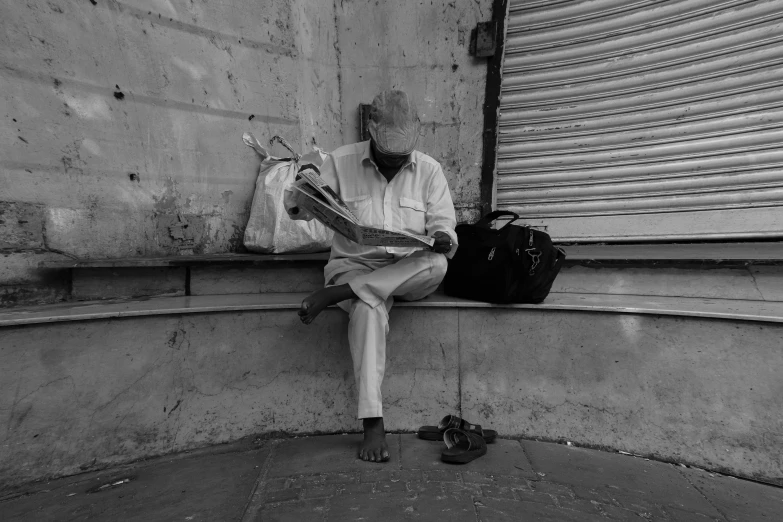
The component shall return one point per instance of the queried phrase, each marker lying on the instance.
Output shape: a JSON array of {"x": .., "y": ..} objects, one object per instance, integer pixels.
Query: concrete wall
[
  {"x": 422, "y": 48},
  {"x": 698, "y": 391},
  {"x": 112, "y": 391},
  {"x": 121, "y": 123}
]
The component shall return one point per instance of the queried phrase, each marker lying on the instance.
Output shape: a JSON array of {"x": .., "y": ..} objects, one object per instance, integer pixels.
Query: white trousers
[{"x": 409, "y": 279}]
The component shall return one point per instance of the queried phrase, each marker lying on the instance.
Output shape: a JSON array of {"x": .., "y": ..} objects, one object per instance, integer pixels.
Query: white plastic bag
[{"x": 269, "y": 229}]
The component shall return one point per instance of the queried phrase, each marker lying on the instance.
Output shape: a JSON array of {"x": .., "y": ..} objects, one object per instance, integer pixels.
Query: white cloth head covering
[{"x": 394, "y": 123}]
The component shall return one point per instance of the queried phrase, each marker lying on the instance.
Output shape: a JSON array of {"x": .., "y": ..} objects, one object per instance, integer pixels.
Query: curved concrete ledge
[
  {"x": 89, "y": 385},
  {"x": 732, "y": 309}
]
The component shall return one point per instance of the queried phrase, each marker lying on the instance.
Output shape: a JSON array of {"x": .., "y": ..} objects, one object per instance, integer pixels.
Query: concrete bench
[
  {"x": 747, "y": 271},
  {"x": 682, "y": 378},
  {"x": 630, "y": 269}
]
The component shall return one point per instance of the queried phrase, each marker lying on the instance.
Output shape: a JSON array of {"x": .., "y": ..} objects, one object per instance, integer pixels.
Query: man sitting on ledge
[{"x": 389, "y": 185}]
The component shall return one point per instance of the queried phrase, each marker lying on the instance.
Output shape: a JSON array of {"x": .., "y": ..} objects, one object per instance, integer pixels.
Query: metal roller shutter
[{"x": 635, "y": 120}]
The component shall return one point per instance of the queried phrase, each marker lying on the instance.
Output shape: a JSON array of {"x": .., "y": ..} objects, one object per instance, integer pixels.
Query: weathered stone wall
[
  {"x": 121, "y": 120},
  {"x": 422, "y": 48},
  {"x": 121, "y": 123}
]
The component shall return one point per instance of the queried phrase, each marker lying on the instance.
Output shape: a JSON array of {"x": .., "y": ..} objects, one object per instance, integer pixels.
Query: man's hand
[{"x": 443, "y": 243}]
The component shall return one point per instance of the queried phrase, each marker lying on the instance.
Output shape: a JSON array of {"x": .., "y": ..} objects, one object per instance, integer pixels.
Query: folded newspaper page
[
  {"x": 328, "y": 208},
  {"x": 329, "y": 196}
]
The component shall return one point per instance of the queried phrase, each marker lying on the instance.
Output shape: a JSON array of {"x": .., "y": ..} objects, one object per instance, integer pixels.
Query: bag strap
[
  {"x": 285, "y": 144},
  {"x": 492, "y": 216},
  {"x": 511, "y": 240}
]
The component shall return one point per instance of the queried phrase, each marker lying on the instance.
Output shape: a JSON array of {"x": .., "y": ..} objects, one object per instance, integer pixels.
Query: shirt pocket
[
  {"x": 361, "y": 207},
  {"x": 413, "y": 215}
]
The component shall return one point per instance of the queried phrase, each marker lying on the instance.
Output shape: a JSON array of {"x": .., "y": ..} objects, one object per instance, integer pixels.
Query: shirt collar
[{"x": 367, "y": 156}]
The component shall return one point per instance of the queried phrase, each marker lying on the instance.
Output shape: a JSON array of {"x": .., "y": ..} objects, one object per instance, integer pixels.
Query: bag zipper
[{"x": 535, "y": 256}]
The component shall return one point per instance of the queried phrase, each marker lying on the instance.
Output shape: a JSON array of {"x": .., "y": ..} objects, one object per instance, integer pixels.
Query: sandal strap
[
  {"x": 475, "y": 428},
  {"x": 454, "y": 422},
  {"x": 450, "y": 421},
  {"x": 457, "y": 437}
]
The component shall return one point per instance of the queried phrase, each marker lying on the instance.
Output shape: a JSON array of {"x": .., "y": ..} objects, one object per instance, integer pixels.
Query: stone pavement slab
[
  {"x": 639, "y": 484},
  {"x": 200, "y": 488},
  {"x": 738, "y": 500},
  {"x": 293, "y": 511},
  {"x": 402, "y": 505},
  {"x": 320, "y": 479},
  {"x": 492, "y": 510}
]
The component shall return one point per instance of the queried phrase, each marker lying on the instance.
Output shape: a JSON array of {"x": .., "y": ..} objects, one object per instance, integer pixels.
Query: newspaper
[{"x": 328, "y": 208}]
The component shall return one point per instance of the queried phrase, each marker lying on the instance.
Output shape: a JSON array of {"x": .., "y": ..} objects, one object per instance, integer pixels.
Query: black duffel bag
[{"x": 511, "y": 265}]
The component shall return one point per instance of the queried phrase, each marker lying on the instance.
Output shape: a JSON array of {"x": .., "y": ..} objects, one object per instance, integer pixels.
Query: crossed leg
[
  {"x": 367, "y": 295},
  {"x": 314, "y": 303}
]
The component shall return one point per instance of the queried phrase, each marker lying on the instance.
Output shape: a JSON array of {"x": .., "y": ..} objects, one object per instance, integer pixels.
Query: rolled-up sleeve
[{"x": 440, "y": 210}]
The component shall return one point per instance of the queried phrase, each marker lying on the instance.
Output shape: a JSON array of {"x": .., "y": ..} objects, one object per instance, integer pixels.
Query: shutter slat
[
  {"x": 769, "y": 178},
  {"x": 560, "y": 13},
  {"x": 512, "y": 130},
  {"x": 764, "y": 197},
  {"x": 737, "y": 42},
  {"x": 619, "y": 85},
  {"x": 723, "y": 88},
  {"x": 611, "y": 173},
  {"x": 673, "y": 132},
  {"x": 522, "y": 39},
  {"x": 694, "y": 33},
  {"x": 743, "y": 142}
]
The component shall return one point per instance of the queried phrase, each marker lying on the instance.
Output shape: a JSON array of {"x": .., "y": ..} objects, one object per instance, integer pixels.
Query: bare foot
[
  {"x": 374, "y": 447},
  {"x": 320, "y": 299}
]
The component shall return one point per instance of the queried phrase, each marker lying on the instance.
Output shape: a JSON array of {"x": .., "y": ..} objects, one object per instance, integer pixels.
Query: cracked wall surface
[{"x": 121, "y": 123}]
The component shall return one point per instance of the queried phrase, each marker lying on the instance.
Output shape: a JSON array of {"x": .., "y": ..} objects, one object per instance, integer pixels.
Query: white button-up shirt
[{"x": 417, "y": 200}]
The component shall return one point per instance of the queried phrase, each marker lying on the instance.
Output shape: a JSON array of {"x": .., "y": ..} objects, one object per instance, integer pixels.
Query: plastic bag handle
[
  {"x": 253, "y": 143},
  {"x": 285, "y": 144},
  {"x": 492, "y": 216}
]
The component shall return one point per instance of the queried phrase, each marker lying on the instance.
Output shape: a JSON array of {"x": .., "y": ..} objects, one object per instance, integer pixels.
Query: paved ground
[{"x": 318, "y": 478}]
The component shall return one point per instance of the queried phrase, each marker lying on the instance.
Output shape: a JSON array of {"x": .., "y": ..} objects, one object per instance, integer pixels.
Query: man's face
[{"x": 389, "y": 161}]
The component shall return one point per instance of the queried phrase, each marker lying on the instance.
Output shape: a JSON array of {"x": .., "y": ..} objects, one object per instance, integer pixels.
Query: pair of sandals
[{"x": 464, "y": 441}]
